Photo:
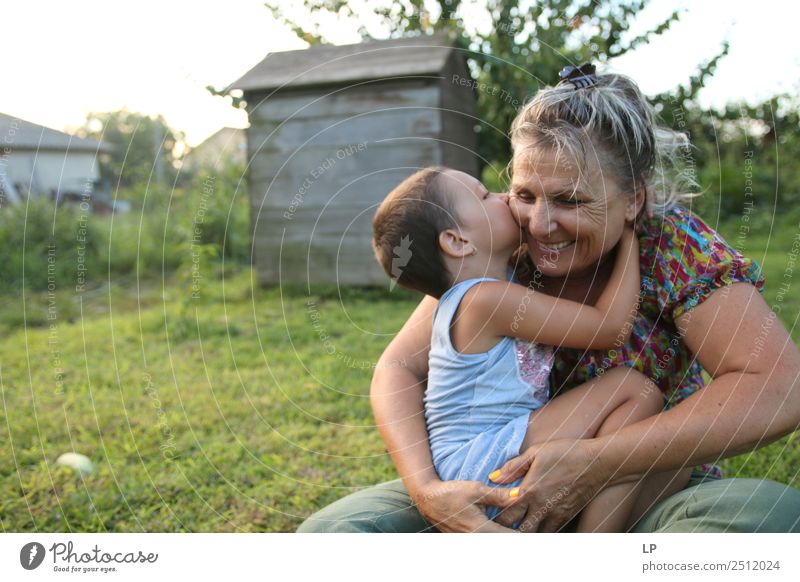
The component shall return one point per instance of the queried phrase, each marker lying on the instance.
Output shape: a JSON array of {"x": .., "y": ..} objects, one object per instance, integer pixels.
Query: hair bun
[{"x": 579, "y": 77}]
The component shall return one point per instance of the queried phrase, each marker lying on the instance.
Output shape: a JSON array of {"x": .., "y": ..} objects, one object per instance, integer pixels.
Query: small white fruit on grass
[{"x": 78, "y": 462}]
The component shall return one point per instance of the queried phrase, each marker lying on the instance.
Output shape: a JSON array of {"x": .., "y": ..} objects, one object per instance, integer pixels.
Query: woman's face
[{"x": 568, "y": 224}]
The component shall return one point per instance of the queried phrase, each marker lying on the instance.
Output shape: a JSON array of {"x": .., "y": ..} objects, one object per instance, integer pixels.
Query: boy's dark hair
[{"x": 405, "y": 232}]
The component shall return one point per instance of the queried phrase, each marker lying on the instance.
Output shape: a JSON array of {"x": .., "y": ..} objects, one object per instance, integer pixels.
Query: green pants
[{"x": 705, "y": 505}]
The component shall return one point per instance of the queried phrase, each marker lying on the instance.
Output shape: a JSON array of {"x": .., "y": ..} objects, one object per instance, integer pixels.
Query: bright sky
[{"x": 65, "y": 59}]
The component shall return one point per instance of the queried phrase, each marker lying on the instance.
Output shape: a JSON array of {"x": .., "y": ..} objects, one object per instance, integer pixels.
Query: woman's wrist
[{"x": 420, "y": 488}]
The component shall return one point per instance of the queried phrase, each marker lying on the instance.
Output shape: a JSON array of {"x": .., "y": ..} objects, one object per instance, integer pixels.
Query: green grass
[
  {"x": 249, "y": 422},
  {"x": 244, "y": 410}
]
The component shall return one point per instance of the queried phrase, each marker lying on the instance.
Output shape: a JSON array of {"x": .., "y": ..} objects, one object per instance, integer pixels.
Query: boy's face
[{"x": 485, "y": 218}]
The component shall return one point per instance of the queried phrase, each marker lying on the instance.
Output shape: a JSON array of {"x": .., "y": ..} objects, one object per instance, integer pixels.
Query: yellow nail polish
[
  {"x": 514, "y": 492},
  {"x": 494, "y": 475}
]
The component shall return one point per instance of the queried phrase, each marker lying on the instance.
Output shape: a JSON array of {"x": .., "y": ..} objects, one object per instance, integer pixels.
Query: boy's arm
[
  {"x": 513, "y": 310},
  {"x": 624, "y": 286}
]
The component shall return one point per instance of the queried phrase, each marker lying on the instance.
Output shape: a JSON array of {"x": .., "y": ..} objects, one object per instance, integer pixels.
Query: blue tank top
[{"x": 473, "y": 394}]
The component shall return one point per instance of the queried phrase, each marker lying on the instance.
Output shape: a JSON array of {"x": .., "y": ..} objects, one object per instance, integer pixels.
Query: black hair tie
[{"x": 579, "y": 77}]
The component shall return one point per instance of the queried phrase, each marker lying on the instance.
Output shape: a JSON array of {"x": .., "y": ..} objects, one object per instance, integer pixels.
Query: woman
[{"x": 587, "y": 154}]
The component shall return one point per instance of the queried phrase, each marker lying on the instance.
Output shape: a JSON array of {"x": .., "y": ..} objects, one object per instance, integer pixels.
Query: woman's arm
[
  {"x": 398, "y": 385},
  {"x": 508, "y": 309},
  {"x": 396, "y": 396},
  {"x": 753, "y": 399}
]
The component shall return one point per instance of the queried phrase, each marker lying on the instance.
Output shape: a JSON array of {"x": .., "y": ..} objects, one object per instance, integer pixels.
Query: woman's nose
[{"x": 540, "y": 221}]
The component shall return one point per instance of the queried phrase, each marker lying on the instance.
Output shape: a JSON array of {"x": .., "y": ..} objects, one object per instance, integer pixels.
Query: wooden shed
[{"x": 332, "y": 130}]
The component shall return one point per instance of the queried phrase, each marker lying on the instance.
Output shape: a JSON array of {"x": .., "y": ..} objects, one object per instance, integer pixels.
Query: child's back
[{"x": 477, "y": 406}]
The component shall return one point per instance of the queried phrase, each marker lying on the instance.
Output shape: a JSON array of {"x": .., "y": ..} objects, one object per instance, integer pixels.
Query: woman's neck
[{"x": 584, "y": 286}]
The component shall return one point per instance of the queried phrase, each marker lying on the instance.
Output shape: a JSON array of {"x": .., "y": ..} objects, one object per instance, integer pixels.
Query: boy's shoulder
[
  {"x": 470, "y": 324},
  {"x": 484, "y": 297}
]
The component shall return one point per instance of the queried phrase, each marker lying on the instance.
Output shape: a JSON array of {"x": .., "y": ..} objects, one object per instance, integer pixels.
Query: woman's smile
[
  {"x": 548, "y": 255},
  {"x": 557, "y": 246}
]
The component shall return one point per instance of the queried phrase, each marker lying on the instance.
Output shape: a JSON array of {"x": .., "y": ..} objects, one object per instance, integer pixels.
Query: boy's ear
[
  {"x": 453, "y": 244},
  {"x": 634, "y": 204}
]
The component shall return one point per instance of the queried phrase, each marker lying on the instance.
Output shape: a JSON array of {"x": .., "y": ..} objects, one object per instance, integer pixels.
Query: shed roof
[
  {"x": 20, "y": 134},
  {"x": 328, "y": 64}
]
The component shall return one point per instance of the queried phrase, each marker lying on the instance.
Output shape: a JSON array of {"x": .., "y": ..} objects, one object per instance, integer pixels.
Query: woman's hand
[
  {"x": 459, "y": 506},
  {"x": 560, "y": 478}
]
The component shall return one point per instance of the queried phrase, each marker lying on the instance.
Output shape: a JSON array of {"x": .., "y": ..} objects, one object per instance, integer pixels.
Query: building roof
[
  {"x": 20, "y": 134},
  {"x": 223, "y": 135},
  {"x": 229, "y": 144},
  {"x": 328, "y": 64}
]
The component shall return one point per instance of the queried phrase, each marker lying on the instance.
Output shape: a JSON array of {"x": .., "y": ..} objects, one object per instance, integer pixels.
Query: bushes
[
  {"x": 47, "y": 247},
  {"x": 69, "y": 248},
  {"x": 218, "y": 213},
  {"x": 142, "y": 244}
]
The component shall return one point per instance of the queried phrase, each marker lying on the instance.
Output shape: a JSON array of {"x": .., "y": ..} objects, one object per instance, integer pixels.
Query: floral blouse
[{"x": 682, "y": 262}]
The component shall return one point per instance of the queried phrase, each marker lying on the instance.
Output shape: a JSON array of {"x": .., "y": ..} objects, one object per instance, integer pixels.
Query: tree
[
  {"x": 144, "y": 148},
  {"x": 525, "y": 47},
  {"x": 745, "y": 158}
]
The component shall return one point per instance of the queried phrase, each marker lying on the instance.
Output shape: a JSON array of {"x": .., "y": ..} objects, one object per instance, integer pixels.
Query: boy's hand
[
  {"x": 628, "y": 233},
  {"x": 629, "y": 242}
]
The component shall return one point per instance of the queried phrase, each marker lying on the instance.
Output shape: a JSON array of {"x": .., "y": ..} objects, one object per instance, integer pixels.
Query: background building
[{"x": 40, "y": 161}]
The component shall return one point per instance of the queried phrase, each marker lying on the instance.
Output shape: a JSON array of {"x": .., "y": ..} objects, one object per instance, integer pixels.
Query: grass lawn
[
  {"x": 239, "y": 411},
  {"x": 223, "y": 414}
]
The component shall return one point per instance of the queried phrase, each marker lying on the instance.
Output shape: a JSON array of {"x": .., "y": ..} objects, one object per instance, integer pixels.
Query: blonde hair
[{"x": 614, "y": 117}]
